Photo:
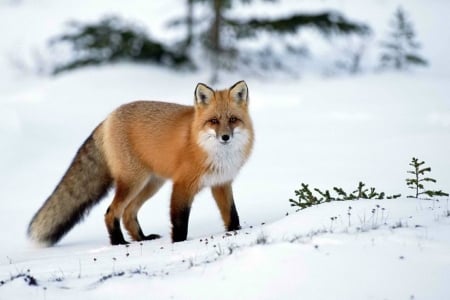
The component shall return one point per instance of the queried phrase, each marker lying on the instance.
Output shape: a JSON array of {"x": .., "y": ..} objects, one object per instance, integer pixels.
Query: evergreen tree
[
  {"x": 417, "y": 182},
  {"x": 219, "y": 33},
  {"x": 112, "y": 40},
  {"x": 400, "y": 50}
]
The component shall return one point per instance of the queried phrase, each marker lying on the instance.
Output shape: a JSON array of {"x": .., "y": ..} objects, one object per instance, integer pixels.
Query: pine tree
[
  {"x": 219, "y": 33},
  {"x": 417, "y": 182},
  {"x": 400, "y": 50}
]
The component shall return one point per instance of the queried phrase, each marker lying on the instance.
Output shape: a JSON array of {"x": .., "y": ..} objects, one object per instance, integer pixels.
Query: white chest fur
[{"x": 224, "y": 160}]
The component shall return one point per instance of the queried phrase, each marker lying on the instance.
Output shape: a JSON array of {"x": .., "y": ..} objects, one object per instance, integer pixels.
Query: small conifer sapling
[{"x": 419, "y": 178}]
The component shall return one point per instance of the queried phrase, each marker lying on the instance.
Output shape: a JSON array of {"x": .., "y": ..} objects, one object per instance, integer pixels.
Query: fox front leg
[
  {"x": 225, "y": 202},
  {"x": 180, "y": 208}
]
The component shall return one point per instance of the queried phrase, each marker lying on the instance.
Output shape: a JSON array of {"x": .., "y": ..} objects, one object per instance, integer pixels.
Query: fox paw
[{"x": 119, "y": 241}]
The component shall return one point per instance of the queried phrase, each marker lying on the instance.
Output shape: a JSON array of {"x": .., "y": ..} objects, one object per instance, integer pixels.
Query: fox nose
[{"x": 225, "y": 137}]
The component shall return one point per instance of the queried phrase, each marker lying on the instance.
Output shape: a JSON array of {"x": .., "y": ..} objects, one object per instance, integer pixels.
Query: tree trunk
[
  {"x": 216, "y": 27},
  {"x": 215, "y": 45},
  {"x": 189, "y": 24}
]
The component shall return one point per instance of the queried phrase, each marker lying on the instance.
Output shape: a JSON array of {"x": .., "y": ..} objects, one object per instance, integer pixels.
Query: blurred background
[{"x": 258, "y": 38}]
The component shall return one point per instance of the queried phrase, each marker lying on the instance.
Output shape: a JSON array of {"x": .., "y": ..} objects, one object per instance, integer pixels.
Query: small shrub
[
  {"x": 417, "y": 182},
  {"x": 307, "y": 198},
  {"x": 113, "y": 40}
]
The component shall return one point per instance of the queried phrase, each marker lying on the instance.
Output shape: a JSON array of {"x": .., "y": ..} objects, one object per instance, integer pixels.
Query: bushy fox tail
[{"x": 85, "y": 183}]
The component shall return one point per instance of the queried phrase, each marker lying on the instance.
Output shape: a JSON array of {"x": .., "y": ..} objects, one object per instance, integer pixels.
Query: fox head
[
  {"x": 222, "y": 114},
  {"x": 224, "y": 127}
]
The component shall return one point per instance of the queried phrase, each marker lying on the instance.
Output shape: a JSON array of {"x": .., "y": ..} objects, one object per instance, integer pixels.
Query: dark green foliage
[
  {"x": 341, "y": 193},
  {"x": 327, "y": 23},
  {"x": 326, "y": 196},
  {"x": 400, "y": 50},
  {"x": 364, "y": 193},
  {"x": 417, "y": 182},
  {"x": 306, "y": 198},
  {"x": 219, "y": 34},
  {"x": 112, "y": 40}
]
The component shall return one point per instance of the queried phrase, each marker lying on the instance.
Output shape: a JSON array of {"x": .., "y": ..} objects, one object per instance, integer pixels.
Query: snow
[
  {"x": 398, "y": 255},
  {"x": 327, "y": 132}
]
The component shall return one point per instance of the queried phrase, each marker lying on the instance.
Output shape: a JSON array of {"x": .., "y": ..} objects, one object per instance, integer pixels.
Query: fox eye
[
  {"x": 214, "y": 121},
  {"x": 233, "y": 120}
]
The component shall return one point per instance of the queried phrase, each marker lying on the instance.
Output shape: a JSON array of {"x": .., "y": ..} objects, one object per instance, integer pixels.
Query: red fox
[{"x": 137, "y": 148}]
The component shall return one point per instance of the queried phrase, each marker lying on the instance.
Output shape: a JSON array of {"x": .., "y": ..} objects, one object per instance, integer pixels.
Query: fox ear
[
  {"x": 203, "y": 94},
  {"x": 239, "y": 92}
]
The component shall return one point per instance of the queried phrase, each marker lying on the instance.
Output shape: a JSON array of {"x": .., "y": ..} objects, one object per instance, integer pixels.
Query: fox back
[{"x": 211, "y": 139}]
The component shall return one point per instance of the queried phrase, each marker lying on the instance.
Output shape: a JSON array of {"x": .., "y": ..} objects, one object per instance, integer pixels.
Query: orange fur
[{"x": 145, "y": 143}]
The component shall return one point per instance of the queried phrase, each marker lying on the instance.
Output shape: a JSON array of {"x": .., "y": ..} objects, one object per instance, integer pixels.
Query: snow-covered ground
[
  {"x": 398, "y": 252},
  {"x": 322, "y": 131}
]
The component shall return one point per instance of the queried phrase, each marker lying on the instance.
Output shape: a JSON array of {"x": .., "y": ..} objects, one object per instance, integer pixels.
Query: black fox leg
[
  {"x": 180, "y": 208},
  {"x": 234, "y": 219},
  {"x": 180, "y": 221},
  {"x": 224, "y": 199},
  {"x": 115, "y": 234}
]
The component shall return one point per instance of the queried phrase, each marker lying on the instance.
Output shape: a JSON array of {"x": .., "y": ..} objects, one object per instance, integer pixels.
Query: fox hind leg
[
  {"x": 125, "y": 191},
  {"x": 130, "y": 219}
]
